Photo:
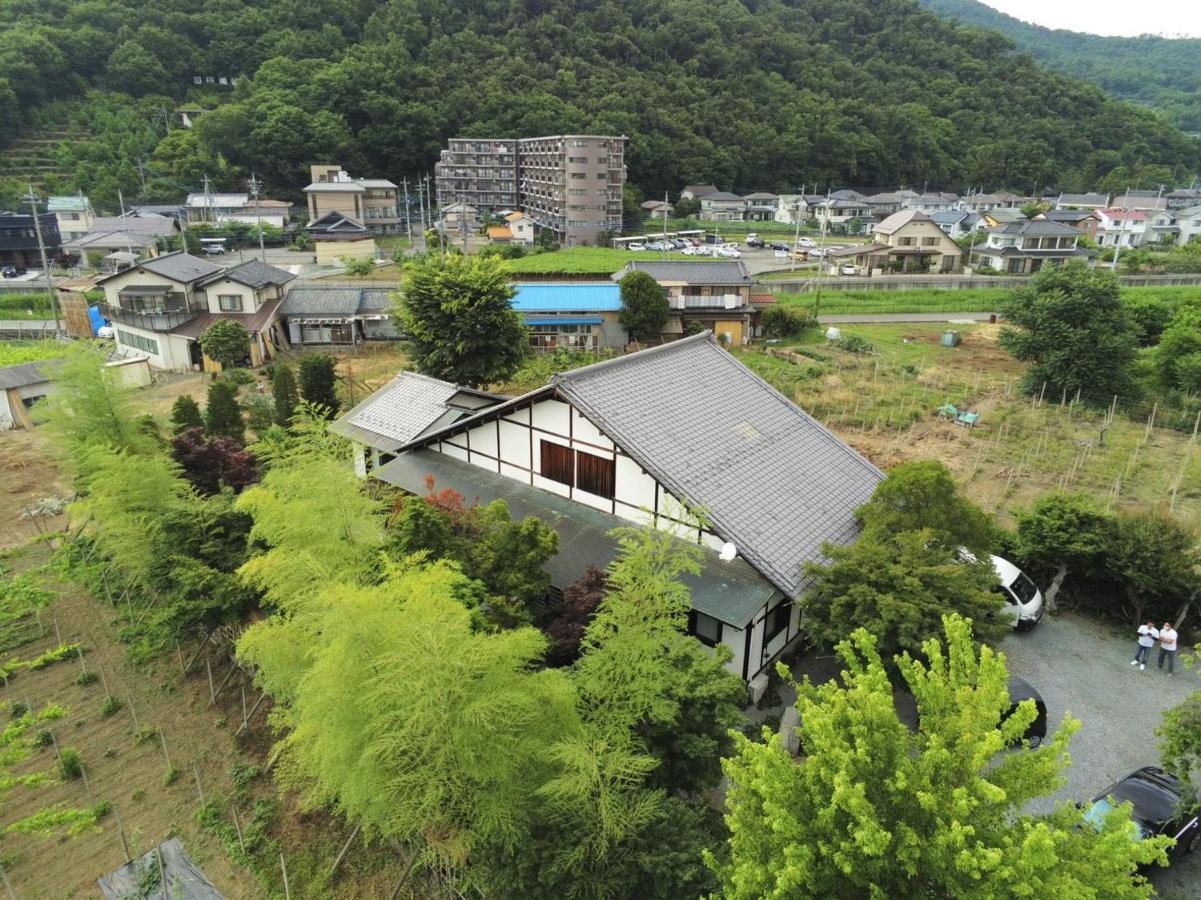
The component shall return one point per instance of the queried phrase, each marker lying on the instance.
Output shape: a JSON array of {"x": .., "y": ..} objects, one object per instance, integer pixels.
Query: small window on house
[
  {"x": 776, "y": 621},
  {"x": 705, "y": 629},
  {"x": 229, "y": 302},
  {"x": 595, "y": 474},
  {"x": 558, "y": 463}
]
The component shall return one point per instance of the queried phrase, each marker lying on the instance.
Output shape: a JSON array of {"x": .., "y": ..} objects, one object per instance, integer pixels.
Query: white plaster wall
[
  {"x": 515, "y": 446},
  {"x": 172, "y": 351},
  {"x": 6, "y": 416},
  {"x": 634, "y": 486},
  {"x": 735, "y": 639},
  {"x": 582, "y": 429},
  {"x": 552, "y": 416},
  {"x": 225, "y": 286}
]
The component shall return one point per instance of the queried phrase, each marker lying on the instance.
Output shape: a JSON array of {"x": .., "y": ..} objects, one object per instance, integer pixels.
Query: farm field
[
  {"x": 599, "y": 261},
  {"x": 13, "y": 353},
  {"x": 884, "y": 404}
]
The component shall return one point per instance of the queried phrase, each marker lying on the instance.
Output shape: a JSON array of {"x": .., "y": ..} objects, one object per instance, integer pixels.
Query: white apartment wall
[{"x": 173, "y": 354}]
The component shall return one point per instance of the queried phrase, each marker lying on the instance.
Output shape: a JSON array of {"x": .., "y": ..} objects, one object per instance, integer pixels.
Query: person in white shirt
[
  {"x": 1147, "y": 636},
  {"x": 1167, "y": 646}
]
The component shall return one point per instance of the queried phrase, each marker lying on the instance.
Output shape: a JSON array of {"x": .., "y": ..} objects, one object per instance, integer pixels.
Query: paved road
[{"x": 1083, "y": 669}]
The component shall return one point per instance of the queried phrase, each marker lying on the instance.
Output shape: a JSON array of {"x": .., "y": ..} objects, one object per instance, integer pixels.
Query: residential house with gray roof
[
  {"x": 704, "y": 294},
  {"x": 337, "y": 314},
  {"x": 1022, "y": 248},
  {"x": 1082, "y": 201},
  {"x": 722, "y": 206},
  {"x": 160, "y": 307},
  {"x": 642, "y": 440}
]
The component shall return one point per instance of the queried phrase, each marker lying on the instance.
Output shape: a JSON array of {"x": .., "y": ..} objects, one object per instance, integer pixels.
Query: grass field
[
  {"x": 946, "y": 301},
  {"x": 13, "y": 353},
  {"x": 884, "y": 403},
  {"x": 599, "y": 261}
]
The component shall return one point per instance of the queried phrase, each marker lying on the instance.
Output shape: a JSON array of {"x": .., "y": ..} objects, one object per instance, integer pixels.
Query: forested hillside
[
  {"x": 758, "y": 93},
  {"x": 1162, "y": 73}
]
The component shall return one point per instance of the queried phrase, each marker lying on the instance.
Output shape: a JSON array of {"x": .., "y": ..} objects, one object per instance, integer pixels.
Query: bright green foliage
[
  {"x": 226, "y": 342},
  {"x": 407, "y": 719},
  {"x": 128, "y": 498},
  {"x": 92, "y": 406},
  {"x": 458, "y": 313},
  {"x": 358, "y": 267},
  {"x": 223, "y": 414},
  {"x": 900, "y": 585},
  {"x": 283, "y": 391},
  {"x": 1070, "y": 325},
  {"x": 319, "y": 527},
  {"x": 1178, "y": 356},
  {"x": 644, "y": 307},
  {"x": 185, "y": 414},
  {"x": 1180, "y": 744},
  {"x": 59, "y": 819},
  {"x": 1155, "y": 559},
  {"x": 317, "y": 380},
  {"x": 874, "y": 810},
  {"x": 306, "y": 439},
  {"x": 924, "y": 495},
  {"x": 1061, "y": 531}
]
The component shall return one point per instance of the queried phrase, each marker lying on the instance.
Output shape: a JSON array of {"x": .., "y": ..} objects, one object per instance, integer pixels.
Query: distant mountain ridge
[{"x": 1162, "y": 73}]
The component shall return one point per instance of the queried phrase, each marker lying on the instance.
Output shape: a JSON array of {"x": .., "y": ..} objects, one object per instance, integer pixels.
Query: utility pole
[
  {"x": 796, "y": 238},
  {"x": 37, "y": 229},
  {"x": 121, "y": 202},
  {"x": 421, "y": 209},
  {"x": 817, "y": 306},
  {"x": 665, "y": 215},
  {"x": 408, "y": 211},
  {"x": 207, "y": 202},
  {"x": 141, "y": 164},
  {"x": 1121, "y": 234},
  {"x": 255, "y": 185}
]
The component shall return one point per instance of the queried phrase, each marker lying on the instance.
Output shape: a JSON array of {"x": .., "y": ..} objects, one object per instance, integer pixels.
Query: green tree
[
  {"x": 283, "y": 392},
  {"x": 1071, "y": 327},
  {"x": 903, "y": 584},
  {"x": 1062, "y": 531},
  {"x": 1180, "y": 747},
  {"x": 873, "y": 809},
  {"x": 185, "y": 414},
  {"x": 318, "y": 377},
  {"x": 134, "y": 70},
  {"x": 463, "y": 327},
  {"x": 92, "y": 406},
  {"x": 1178, "y": 355},
  {"x": 223, "y": 414},
  {"x": 358, "y": 267},
  {"x": 1154, "y": 558},
  {"x": 227, "y": 343},
  {"x": 644, "y": 307},
  {"x": 923, "y": 494}
]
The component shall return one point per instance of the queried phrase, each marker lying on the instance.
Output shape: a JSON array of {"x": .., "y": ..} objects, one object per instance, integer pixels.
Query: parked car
[
  {"x": 779, "y": 245},
  {"x": 729, "y": 252},
  {"x": 1019, "y": 690},
  {"x": 754, "y": 243},
  {"x": 806, "y": 243},
  {"x": 1023, "y": 599},
  {"x": 799, "y": 255},
  {"x": 636, "y": 247},
  {"x": 847, "y": 269},
  {"x": 12, "y": 271},
  {"x": 1155, "y": 798}
]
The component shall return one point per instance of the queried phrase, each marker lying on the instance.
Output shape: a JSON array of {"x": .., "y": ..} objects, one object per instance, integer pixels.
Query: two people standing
[{"x": 1148, "y": 636}]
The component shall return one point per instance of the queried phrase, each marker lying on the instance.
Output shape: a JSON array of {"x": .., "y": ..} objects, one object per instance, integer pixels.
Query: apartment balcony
[{"x": 163, "y": 318}]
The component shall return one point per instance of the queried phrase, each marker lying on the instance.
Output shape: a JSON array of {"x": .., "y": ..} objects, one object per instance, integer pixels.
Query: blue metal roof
[
  {"x": 564, "y": 320},
  {"x": 567, "y": 297}
]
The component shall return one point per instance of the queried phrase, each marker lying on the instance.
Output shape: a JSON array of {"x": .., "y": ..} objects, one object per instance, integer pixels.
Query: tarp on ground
[{"x": 184, "y": 880}]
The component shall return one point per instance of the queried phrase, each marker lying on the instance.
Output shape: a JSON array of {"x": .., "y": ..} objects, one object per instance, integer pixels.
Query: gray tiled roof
[
  {"x": 1037, "y": 228},
  {"x": 700, "y": 272},
  {"x": 180, "y": 266},
  {"x": 730, "y": 591},
  {"x": 398, "y": 412},
  {"x": 22, "y": 376},
  {"x": 334, "y": 300},
  {"x": 770, "y": 478},
  {"x": 256, "y": 274}
]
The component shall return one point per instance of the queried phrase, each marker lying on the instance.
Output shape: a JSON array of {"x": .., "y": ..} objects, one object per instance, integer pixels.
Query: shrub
[
  {"x": 43, "y": 739},
  {"x": 110, "y": 705},
  {"x": 782, "y": 322},
  {"x": 854, "y": 343},
  {"x": 171, "y": 777},
  {"x": 317, "y": 379},
  {"x": 185, "y": 414},
  {"x": 84, "y": 678},
  {"x": 358, "y": 267},
  {"x": 70, "y": 764}
]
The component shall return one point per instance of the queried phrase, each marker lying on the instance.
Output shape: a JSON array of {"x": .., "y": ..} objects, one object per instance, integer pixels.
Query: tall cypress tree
[
  {"x": 185, "y": 414},
  {"x": 283, "y": 389},
  {"x": 223, "y": 417},
  {"x": 317, "y": 379}
]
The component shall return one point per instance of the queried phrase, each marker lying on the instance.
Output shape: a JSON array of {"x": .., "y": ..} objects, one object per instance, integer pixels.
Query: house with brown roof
[
  {"x": 704, "y": 294},
  {"x": 372, "y": 201},
  {"x": 160, "y": 307},
  {"x": 907, "y": 242}
]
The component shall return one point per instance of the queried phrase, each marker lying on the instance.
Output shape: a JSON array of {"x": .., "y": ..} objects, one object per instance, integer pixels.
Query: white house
[
  {"x": 521, "y": 227},
  {"x": 160, "y": 307},
  {"x": 1022, "y": 248},
  {"x": 1188, "y": 220},
  {"x": 1121, "y": 227},
  {"x": 641, "y": 439},
  {"x": 1161, "y": 228},
  {"x": 74, "y": 214},
  {"x": 722, "y": 206}
]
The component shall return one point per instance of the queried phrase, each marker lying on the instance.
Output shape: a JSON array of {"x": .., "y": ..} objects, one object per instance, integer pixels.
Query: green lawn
[
  {"x": 14, "y": 353},
  {"x": 599, "y": 261}
]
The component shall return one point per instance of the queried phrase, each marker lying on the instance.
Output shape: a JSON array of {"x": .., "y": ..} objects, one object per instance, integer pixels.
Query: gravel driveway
[{"x": 1083, "y": 669}]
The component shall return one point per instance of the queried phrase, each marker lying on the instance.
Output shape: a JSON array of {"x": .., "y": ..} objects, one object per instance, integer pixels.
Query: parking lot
[{"x": 1083, "y": 669}]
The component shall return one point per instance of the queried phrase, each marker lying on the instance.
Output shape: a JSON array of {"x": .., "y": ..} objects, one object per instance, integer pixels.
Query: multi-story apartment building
[
  {"x": 373, "y": 202},
  {"x": 568, "y": 183}
]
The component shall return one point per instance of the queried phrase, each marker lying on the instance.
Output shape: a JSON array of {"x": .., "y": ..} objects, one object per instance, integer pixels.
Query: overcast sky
[{"x": 1173, "y": 18}]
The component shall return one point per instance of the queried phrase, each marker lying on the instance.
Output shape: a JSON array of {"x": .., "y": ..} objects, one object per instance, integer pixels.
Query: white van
[{"x": 1023, "y": 599}]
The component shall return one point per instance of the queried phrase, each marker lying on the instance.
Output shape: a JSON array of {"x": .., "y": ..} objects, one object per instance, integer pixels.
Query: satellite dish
[{"x": 728, "y": 552}]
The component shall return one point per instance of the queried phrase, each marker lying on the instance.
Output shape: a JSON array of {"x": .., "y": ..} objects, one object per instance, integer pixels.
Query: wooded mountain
[
  {"x": 1162, "y": 73},
  {"x": 768, "y": 94}
]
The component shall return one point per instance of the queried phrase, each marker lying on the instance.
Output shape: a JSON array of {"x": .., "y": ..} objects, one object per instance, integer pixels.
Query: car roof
[
  {"x": 1152, "y": 792},
  {"x": 1020, "y": 689},
  {"x": 1006, "y": 571}
]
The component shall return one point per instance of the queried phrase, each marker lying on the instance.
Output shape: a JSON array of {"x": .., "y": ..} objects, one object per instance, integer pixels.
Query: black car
[
  {"x": 755, "y": 243},
  {"x": 779, "y": 245},
  {"x": 1155, "y": 796},
  {"x": 12, "y": 271},
  {"x": 1019, "y": 690}
]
